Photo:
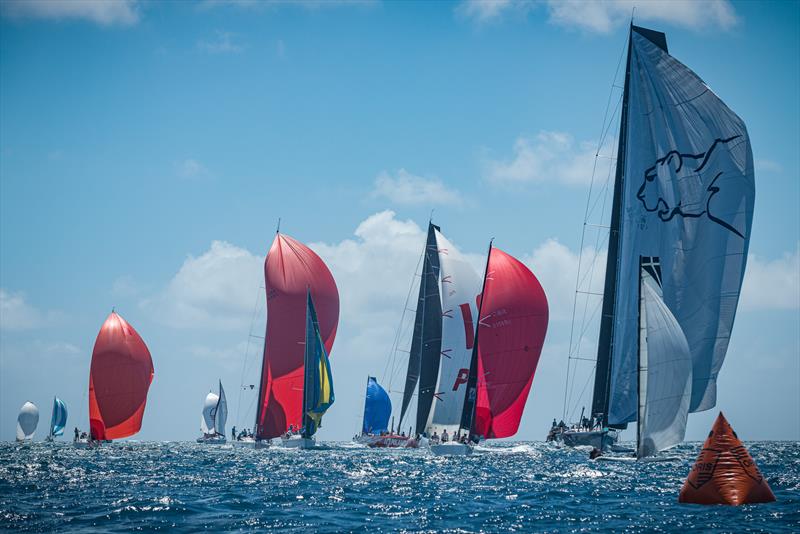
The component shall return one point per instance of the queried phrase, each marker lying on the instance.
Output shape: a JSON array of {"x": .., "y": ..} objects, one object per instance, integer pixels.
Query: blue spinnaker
[
  {"x": 377, "y": 408},
  {"x": 59, "y": 419}
]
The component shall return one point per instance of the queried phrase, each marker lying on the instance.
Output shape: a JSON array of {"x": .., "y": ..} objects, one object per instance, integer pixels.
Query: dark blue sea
[{"x": 502, "y": 488}]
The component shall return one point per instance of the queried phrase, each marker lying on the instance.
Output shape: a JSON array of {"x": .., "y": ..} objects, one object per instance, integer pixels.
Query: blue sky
[{"x": 147, "y": 150}]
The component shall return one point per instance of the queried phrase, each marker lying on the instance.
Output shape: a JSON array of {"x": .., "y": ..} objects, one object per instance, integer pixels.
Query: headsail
[
  {"x": 27, "y": 421},
  {"x": 59, "y": 418},
  {"x": 512, "y": 328},
  {"x": 318, "y": 384},
  {"x": 207, "y": 425},
  {"x": 377, "y": 408},
  {"x": 426, "y": 345},
  {"x": 665, "y": 369},
  {"x": 460, "y": 285},
  {"x": 291, "y": 269},
  {"x": 120, "y": 377},
  {"x": 687, "y": 193},
  {"x": 221, "y": 413}
]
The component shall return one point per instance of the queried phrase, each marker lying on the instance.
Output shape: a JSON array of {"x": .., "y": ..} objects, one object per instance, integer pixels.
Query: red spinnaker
[
  {"x": 289, "y": 270},
  {"x": 512, "y": 327},
  {"x": 119, "y": 379}
]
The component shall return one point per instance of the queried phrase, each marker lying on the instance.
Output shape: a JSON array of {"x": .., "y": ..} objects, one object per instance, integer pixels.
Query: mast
[
  {"x": 605, "y": 345},
  {"x": 471, "y": 397}
]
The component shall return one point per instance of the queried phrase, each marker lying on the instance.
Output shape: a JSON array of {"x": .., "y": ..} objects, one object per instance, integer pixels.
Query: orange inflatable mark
[{"x": 724, "y": 472}]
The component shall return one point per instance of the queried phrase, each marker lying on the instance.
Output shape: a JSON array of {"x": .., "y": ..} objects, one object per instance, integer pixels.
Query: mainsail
[
  {"x": 460, "y": 285},
  {"x": 377, "y": 408},
  {"x": 511, "y": 332},
  {"x": 59, "y": 418},
  {"x": 665, "y": 369},
  {"x": 221, "y": 413},
  {"x": 291, "y": 270},
  {"x": 426, "y": 344},
  {"x": 119, "y": 379},
  {"x": 318, "y": 383},
  {"x": 684, "y": 192},
  {"x": 27, "y": 421}
]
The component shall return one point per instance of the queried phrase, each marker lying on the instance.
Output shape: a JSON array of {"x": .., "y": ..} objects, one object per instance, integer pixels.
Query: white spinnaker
[
  {"x": 665, "y": 373},
  {"x": 27, "y": 420},
  {"x": 688, "y": 197},
  {"x": 460, "y": 285},
  {"x": 209, "y": 411},
  {"x": 221, "y": 415}
]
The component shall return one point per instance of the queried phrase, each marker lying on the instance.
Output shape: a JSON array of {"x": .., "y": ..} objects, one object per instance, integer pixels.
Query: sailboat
[
  {"x": 58, "y": 420},
  {"x": 119, "y": 379},
  {"x": 441, "y": 344},
  {"x": 683, "y": 193},
  {"x": 512, "y": 322},
  {"x": 375, "y": 423},
  {"x": 302, "y": 316},
  {"x": 213, "y": 418},
  {"x": 27, "y": 421}
]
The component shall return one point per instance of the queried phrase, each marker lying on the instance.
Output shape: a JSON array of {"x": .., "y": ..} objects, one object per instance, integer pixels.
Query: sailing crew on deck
[
  {"x": 445, "y": 437},
  {"x": 77, "y": 433},
  {"x": 233, "y": 433}
]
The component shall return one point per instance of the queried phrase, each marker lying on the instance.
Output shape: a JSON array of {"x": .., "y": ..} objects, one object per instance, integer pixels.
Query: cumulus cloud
[
  {"x": 222, "y": 43},
  {"x": 772, "y": 284},
  {"x": 213, "y": 291},
  {"x": 104, "y": 13},
  {"x": 275, "y": 4},
  {"x": 17, "y": 314},
  {"x": 406, "y": 188},
  {"x": 604, "y": 16},
  {"x": 547, "y": 157}
]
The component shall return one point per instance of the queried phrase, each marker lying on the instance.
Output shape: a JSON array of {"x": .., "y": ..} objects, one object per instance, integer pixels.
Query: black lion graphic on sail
[{"x": 702, "y": 180}]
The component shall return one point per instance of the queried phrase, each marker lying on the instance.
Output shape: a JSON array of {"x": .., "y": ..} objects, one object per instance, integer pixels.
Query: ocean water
[{"x": 502, "y": 488}]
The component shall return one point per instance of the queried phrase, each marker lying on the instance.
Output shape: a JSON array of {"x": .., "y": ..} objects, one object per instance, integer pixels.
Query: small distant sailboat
[
  {"x": 119, "y": 379},
  {"x": 302, "y": 316},
  {"x": 58, "y": 420},
  {"x": 683, "y": 194},
  {"x": 375, "y": 423},
  {"x": 213, "y": 418},
  {"x": 27, "y": 421},
  {"x": 511, "y": 327}
]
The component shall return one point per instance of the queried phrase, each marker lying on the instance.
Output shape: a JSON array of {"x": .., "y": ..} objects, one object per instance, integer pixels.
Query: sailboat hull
[
  {"x": 218, "y": 440},
  {"x": 296, "y": 443},
  {"x": 599, "y": 439},
  {"x": 451, "y": 449}
]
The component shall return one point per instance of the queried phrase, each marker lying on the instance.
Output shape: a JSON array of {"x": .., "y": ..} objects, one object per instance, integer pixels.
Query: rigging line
[
  {"x": 578, "y": 400},
  {"x": 247, "y": 352},
  {"x": 586, "y": 212}
]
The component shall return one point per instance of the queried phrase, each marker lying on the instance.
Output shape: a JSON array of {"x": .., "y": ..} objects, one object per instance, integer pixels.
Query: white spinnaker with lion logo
[
  {"x": 460, "y": 285},
  {"x": 688, "y": 197}
]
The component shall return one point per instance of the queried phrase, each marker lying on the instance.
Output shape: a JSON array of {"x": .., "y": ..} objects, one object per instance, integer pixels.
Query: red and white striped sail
[
  {"x": 291, "y": 268},
  {"x": 120, "y": 376},
  {"x": 512, "y": 327}
]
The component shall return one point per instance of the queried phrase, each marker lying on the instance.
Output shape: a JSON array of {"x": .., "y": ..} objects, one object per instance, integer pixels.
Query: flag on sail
[
  {"x": 319, "y": 381},
  {"x": 377, "y": 408},
  {"x": 688, "y": 195},
  {"x": 27, "y": 421},
  {"x": 460, "y": 286},
  {"x": 119, "y": 379},
  {"x": 665, "y": 368},
  {"x": 59, "y": 418},
  {"x": 290, "y": 270},
  {"x": 512, "y": 325}
]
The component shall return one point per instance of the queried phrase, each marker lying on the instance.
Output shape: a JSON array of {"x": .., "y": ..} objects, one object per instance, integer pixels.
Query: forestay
[{"x": 687, "y": 198}]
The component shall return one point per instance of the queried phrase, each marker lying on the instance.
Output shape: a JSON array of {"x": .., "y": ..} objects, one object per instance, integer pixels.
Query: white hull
[
  {"x": 296, "y": 442},
  {"x": 387, "y": 441},
  {"x": 248, "y": 443},
  {"x": 451, "y": 448}
]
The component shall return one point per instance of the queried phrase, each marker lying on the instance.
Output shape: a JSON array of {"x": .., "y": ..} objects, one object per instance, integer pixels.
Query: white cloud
[
  {"x": 223, "y": 43},
  {"x": 406, "y": 188},
  {"x": 191, "y": 168},
  {"x": 604, "y": 16},
  {"x": 766, "y": 165},
  {"x": 214, "y": 291},
  {"x": 104, "y": 13},
  {"x": 275, "y": 4},
  {"x": 17, "y": 314},
  {"x": 550, "y": 156},
  {"x": 772, "y": 285}
]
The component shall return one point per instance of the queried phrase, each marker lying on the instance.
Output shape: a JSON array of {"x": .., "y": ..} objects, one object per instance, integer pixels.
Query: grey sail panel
[{"x": 688, "y": 198}]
